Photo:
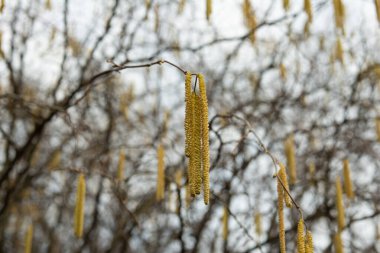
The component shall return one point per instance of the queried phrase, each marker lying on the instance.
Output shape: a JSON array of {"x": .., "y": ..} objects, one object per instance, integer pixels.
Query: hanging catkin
[
  {"x": 339, "y": 204},
  {"x": 338, "y": 243},
  {"x": 249, "y": 19},
  {"x": 79, "y": 206},
  {"x": 188, "y": 113},
  {"x": 284, "y": 180},
  {"x": 225, "y": 223},
  {"x": 208, "y": 9},
  {"x": 197, "y": 143},
  {"x": 291, "y": 158},
  {"x": 121, "y": 165},
  {"x": 29, "y": 239},
  {"x": 160, "y": 191},
  {"x": 378, "y": 129},
  {"x": 377, "y": 6},
  {"x": 300, "y": 237},
  {"x": 205, "y": 140},
  {"x": 347, "y": 180},
  {"x": 281, "y": 221},
  {"x": 309, "y": 248}
]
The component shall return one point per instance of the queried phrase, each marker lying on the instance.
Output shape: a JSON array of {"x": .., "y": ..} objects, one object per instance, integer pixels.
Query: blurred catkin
[
  {"x": 283, "y": 72},
  {"x": 309, "y": 248},
  {"x": 300, "y": 237},
  {"x": 281, "y": 221},
  {"x": 308, "y": 8},
  {"x": 291, "y": 158},
  {"x": 160, "y": 191},
  {"x": 225, "y": 223},
  {"x": 2, "y": 5},
  {"x": 339, "y": 11},
  {"x": 339, "y": 51},
  {"x": 258, "y": 225},
  {"x": 378, "y": 129},
  {"x": 339, "y": 204},
  {"x": 55, "y": 160},
  {"x": 249, "y": 19},
  {"x": 208, "y": 9},
  {"x": 121, "y": 165},
  {"x": 348, "y": 189},
  {"x": 338, "y": 243},
  {"x": 286, "y": 4},
  {"x": 29, "y": 239},
  {"x": 48, "y": 4},
  {"x": 205, "y": 140},
  {"x": 377, "y": 6},
  {"x": 79, "y": 206}
]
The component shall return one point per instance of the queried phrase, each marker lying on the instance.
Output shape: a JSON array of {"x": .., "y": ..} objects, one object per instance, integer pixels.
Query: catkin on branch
[
  {"x": 160, "y": 191},
  {"x": 281, "y": 221},
  {"x": 284, "y": 180},
  {"x": 348, "y": 189},
  {"x": 29, "y": 239},
  {"x": 339, "y": 204},
  {"x": 188, "y": 113},
  {"x": 300, "y": 237},
  {"x": 79, "y": 206},
  {"x": 225, "y": 223},
  {"x": 309, "y": 248},
  {"x": 205, "y": 140},
  {"x": 197, "y": 148},
  {"x": 291, "y": 158},
  {"x": 121, "y": 165}
]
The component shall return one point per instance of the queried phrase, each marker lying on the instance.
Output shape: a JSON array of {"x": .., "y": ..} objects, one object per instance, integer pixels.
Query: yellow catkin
[
  {"x": 188, "y": 196},
  {"x": 312, "y": 170},
  {"x": 378, "y": 129},
  {"x": 249, "y": 19},
  {"x": 286, "y": 4},
  {"x": 377, "y": 6},
  {"x": 205, "y": 140},
  {"x": 160, "y": 191},
  {"x": 188, "y": 113},
  {"x": 339, "y": 204},
  {"x": 208, "y": 9},
  {"x": 258, "y": 225},
  {"x": 348, "y": 189},
  {"x": 291, "y": 158},
  {"x": 48, "y": 4},
  {"x": 284, "y": 180},
  {"x": 308, "y": 8},
  {"x": 339, "y": 11},
  {"x": 79, "y": 206},
  {"x": 121, "y": 165},
  {"x": 29, "y": 239},
  {"x": 339, "y": 51},
  {"x": 225, "y": 223},
  {"x": 300, "y": 237},
  {"x": 281, "y": 220},
  {"x": 197, "y": 148},
  {"x": 309, "y": 248},
  {"x": 2, "y": 5},
  {"x": 283, "y": 73},
  {"x": 338, "y": 243}
]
